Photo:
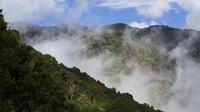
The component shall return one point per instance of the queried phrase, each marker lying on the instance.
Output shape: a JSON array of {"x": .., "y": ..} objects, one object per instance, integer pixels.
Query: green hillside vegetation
[
  {"x": 33, "y": 82},
  {"x": 114, "y": 45}
]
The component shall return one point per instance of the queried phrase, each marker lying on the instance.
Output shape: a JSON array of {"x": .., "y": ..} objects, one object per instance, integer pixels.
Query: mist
[{"x": 171, "y": 90}]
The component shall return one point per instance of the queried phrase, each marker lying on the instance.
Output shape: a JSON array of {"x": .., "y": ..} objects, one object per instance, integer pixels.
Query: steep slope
[
  {"x": 32, "y": 82},
  {"x": 158, "y": 65}
]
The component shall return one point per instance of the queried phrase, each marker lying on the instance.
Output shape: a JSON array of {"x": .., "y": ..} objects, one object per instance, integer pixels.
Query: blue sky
[
  {"x": 102, "y": 15},
  {"x": 138, "y": 13}
]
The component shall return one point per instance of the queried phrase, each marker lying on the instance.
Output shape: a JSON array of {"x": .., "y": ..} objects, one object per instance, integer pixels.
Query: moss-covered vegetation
[{"x": 32, "y": 82}]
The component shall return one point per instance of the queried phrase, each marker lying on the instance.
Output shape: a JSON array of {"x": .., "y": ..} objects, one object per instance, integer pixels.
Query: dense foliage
[{"x": 32, "y": 82}]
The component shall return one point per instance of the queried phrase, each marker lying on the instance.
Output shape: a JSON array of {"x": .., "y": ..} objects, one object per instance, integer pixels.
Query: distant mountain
[
  {"x": 33, "y": 82},
  {"x": 111, "y": 37},
  {"x": 160, "y": 35}
]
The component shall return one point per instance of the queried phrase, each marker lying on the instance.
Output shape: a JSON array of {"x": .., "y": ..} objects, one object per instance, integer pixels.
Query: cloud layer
[
  {"x": 171, "y": 90},
  {"x": 36, "y": 10},
  {"x": 31, "y": 10},
  {"x": 149, "y": 8},
  {"x": 142, "y": 24}
]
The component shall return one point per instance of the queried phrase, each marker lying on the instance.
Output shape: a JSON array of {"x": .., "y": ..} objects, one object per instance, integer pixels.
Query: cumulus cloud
[
  {"x": 35, "y": 10},
  {"x": 31, "y": 10},
  {"x": 193, "y": 16},
  {"x": 142, "y": 24},
  {"x": 149, "y": 8}
]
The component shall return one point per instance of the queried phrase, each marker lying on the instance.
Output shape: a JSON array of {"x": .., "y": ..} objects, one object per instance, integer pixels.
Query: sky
[{"x": 137, "y": 13}]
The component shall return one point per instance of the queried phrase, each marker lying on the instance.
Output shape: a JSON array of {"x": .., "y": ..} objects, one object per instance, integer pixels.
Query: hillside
[
  {"x": 33, "y": 82},
  {"x": 158, "y": 65}
]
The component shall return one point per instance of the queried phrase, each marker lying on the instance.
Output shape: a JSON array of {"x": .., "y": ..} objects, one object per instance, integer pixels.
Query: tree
[
  {"x": 72, "y": 89},
  {"x": 3, "y": 24}
]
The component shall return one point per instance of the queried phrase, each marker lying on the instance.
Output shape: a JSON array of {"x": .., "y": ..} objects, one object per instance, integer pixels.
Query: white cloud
[
  {"x": 193, "y": 16},
  {"x": 142, "y": 24},
  {"x": 149, "y": 8},
  {"x": 29, "y": 10},
  {"x": 156, "y": 8},
  {"x": 76, "y": 11},
  {"x": 34, "y": 10}
]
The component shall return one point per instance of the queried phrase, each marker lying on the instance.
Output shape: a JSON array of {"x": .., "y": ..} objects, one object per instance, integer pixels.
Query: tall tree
[{"x": 3, "y": 24}]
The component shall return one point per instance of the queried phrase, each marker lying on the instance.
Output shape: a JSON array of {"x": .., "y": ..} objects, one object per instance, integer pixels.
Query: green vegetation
[
  {"x": 107, "y": 42},
  {"x": 113, "y": 45},
  {"x": 3, "y": 24},
  {"x": 32, "y": 82}
]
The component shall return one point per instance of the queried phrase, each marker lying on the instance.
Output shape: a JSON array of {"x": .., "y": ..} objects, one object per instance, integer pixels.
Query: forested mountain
[
  {"x": 158, "y": 65},
  {"x": 33, "y": 82}
]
